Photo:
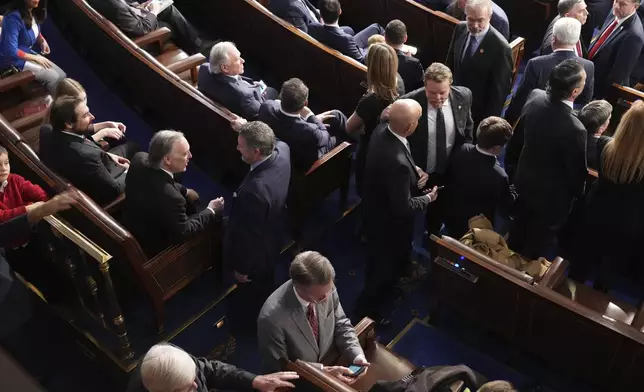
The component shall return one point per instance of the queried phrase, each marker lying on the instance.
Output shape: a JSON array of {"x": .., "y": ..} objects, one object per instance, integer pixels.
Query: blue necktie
[{"x": 469, "y": 51}]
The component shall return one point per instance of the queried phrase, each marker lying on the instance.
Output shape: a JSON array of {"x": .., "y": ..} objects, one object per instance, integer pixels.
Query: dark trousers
[
  {"x": 362, "y": 37},
  {"x": 434, "y": 213},
  {"x": 532, "y": 235},
  {"x": 183, "y": 34},
  {"x": 338, "y": 126},
  {"x": 245, "y": 302},
  {"x": 388, "y": 257},
  {"x": 125, "y": 150}
]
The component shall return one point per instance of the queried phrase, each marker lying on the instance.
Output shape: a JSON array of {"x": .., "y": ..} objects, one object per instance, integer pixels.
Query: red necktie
[
  {"x": 313, "y": 321},
  {"x": 579, "y": 52},
  {"x": 603, "y": 37}
]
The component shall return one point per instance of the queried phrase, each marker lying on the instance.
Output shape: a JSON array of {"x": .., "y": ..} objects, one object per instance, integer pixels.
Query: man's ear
[
  {"x": 405, "y": 41},
  {"x": 69, "y": 125}
]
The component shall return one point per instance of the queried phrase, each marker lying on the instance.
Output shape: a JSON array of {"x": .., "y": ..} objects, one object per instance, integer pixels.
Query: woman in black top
[
  {"x": 615, "y": 210},
  {"x": 382, "y": 90}
]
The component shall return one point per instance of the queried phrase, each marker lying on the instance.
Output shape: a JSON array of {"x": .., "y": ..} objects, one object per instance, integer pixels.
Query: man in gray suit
[{"x": 303, "y": 319}]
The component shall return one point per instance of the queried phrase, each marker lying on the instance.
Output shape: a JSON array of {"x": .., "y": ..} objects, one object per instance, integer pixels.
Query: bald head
[{"x": 403, "y": 116}]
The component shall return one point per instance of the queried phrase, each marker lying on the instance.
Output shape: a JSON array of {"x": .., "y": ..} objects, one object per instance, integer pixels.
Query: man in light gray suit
[{"x": 303, "y": 319}]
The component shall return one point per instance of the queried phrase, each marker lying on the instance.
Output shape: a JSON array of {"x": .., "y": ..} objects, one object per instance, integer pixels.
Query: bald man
[{"x": 394, "y": 191}]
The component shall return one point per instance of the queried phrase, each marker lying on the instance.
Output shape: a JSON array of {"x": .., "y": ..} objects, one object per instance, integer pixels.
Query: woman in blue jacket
[{"x": 22, "y": 45}]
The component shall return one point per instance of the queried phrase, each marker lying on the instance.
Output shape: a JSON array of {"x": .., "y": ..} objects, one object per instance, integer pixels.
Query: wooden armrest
[
  {"x": 16, "y": 80},
  {"x": 188, "y": 63},
  {"x": 638, "y": 320},
  {"x": 555, "y": 274},
  {"x": 30, "y": 121},
  {"x": 317, "y": 377},
  {"x": 159, "y": 35},
  {"x": 328, "y": 156},
  {"x": 113, "y": 206}
]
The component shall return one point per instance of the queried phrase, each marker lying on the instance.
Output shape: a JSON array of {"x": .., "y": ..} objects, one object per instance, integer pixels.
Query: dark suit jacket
[
  {"x": 338, "y": 39},
  {"x": 499, "y": 18},
  {"x": 546, "y": 43},
  {"x": 125, "y": 18},
  {"x": 617, "y": 57},
  {"x": 155, "y": 208},
  {"x": 83, "y": 163},
  {"x": 295, "y": 13},
  {"x": 536, "y": 75},
  {"x": 253, "y": 235},
  {"x": 461, "y": 101},
  {"x": 391, "y": 196},
  {"x": 411, "y": 71},
  {"x": 476, "y": 184},
  {"x": 552, "y": 167},
  {"x": 597, "y": 12},
  {"x": 211, "y": 375},
  {"x": 488, "y": 73},
  {"x": 240, "y": 96},
  {"x": 308, "y": 140}
]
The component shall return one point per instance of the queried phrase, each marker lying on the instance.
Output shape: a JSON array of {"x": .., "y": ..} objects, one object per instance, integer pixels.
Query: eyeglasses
[{"x": 327, "y": 296}]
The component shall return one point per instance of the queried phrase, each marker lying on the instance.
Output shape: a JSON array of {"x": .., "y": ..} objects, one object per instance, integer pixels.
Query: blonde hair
[
  {"x": 70, "y": 87},
  {"x": 382, "y": 69},
  {"x": 497, "y": 386},
  {"x": 376, "y": 39},
  {"x": 438, "y": 72},
  {"x": 166, "y": 368},
  {"x": 623, "y": 157}
]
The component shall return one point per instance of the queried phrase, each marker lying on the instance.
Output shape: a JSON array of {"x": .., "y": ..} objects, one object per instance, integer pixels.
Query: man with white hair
[
  {"x": 499, "y": 19},
  {"x": 571, "y": 9},
  {"x": 167, "y": 368},
  {"x": 481, "y": 60},
  {"x": 565, "y": 37},
  {"x": 222, "y": 81}
]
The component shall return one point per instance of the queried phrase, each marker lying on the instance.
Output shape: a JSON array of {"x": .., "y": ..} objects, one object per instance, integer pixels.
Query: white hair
[
  {"x": 219, "y": 55},
  {"x": 566, "y": 31},
  {"x": 166, "y": 368},
  {"x": 479, "y": 4}
]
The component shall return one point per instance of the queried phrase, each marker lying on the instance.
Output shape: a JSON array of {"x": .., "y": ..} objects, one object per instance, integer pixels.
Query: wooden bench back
[{"x": 621, "y": 97}]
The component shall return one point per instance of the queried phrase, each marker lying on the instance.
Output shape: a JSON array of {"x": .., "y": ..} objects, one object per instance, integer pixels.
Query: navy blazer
[
  {"x": 499, "y": 18},
  {"x": 336, "y": 38},
  {"x": 254, "y": 234},
  {"x": 241, "y": 96},
  {"x": 617, "y": 57},
  {"x": 411, "y": 71},
  {"x": 125, "y": 18},
  {"x": 295, "y": 12},
  {"x": 536, "y": 75},
  {"x": 307, "y": 139}
]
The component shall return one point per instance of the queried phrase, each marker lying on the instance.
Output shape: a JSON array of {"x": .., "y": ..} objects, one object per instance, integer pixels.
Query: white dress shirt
[
  {"x": 571, "y": 104},
  {"x": 403, "y": 140},
  {"x": 450, "y": 133},
  {"x": 479, "y": 38}
]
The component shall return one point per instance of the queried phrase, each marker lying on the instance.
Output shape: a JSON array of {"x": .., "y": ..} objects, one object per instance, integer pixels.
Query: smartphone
[{"x": 356, "y": 370}]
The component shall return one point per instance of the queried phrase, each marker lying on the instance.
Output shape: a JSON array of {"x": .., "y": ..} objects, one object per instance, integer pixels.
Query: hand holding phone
[{"x": 356, "y": 370}]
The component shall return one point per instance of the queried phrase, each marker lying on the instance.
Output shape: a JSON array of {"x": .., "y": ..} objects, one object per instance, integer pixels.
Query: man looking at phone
[{"x": 303, "y": 319}]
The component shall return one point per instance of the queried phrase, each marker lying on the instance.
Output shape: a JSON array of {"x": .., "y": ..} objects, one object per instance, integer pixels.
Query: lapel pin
[
  {"x": 459, "y": 107},
  {"x": 481, "y": 51}
]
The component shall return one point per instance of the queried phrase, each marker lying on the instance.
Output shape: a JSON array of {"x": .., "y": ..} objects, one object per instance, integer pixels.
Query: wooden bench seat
[{"x": 621, "y": 97}]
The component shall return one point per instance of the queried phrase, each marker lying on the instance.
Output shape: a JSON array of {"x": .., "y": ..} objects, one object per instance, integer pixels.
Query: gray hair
[
  {"x": 566, "y": 31},
  {"x": 311, "y": 268},
  {"x": 479, "y": 4},
  {"x": 594, "y": 115},
  {"x": 166, "y": 368},
  {"x": 161, "y": 145},
  {"x": 566, "y": 6},
  {"x": 219, "y": 55},
  {"x": 260, "y": 136}
]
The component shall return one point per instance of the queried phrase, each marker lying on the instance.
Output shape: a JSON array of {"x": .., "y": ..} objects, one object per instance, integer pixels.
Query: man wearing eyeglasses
[{"x": 303, "y": 319}]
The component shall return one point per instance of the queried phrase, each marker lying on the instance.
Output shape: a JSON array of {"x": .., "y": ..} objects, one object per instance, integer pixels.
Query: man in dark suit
[
  {"x": 616, "y": 49},
  {"x": 136, "y": 20},
  {"x": 476, "y": 182},
  {"x": 551, "y": 172},
  {"x": 409, "y": 67},
  {"x": 299, "y": 13},
  {"x": 597, "y": 11},
  {"x": 159, "y": 211},
  {"x": 67, "y": 149},
  {"x": 596, "y": 118},
  {"x": 168, "y": 368},
  {"x": 392, "y": 195},
  {"x": 222, "y": 81},
  {"x": 567, "y": 9},
  {"x": 481, "y": 60},
  {"x": 332, "y": 35},
  {"x": 308, "y": 136},
  {"x": 255, "y": 226},
  {"x": 499, "y": 18},
  {"x": 445, "y": 125},
  {"x": 537, "y": 71}
]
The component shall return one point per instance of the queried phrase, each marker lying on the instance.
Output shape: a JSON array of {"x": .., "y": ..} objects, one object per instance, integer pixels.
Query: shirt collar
[
  {"x": 484, "y": 152},
  {"x": 402, "y": 139},
  {"x": 294, "y": 115},
  {"x": 254, "y": 165},
  {"x": 620, "y": 21},
  {"x": 302, "y": 301},
  {"x": 3, "y": 186},
  {"x": 564, "y": 50},
  {"x": 445, "y": 104},
  {"x": 481, "y": 34},
  {"x": 78, "y": 135},
  {"x": 569, "y": 103},
  {"x": 169, "y": 173},
  {"x": 336, "y": 24},
  {"x": 235, "y": 77}
]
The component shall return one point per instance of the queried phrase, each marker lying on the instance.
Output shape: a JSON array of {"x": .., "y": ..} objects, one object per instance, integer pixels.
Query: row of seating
[{"x": 586, "y": 333}]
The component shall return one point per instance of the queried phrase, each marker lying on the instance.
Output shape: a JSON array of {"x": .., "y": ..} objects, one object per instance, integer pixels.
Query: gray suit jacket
[{"x": 284, "y": 332}]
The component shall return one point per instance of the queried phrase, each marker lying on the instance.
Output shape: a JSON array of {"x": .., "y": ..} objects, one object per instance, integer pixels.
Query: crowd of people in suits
[{"x": 428, "y": 141}]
